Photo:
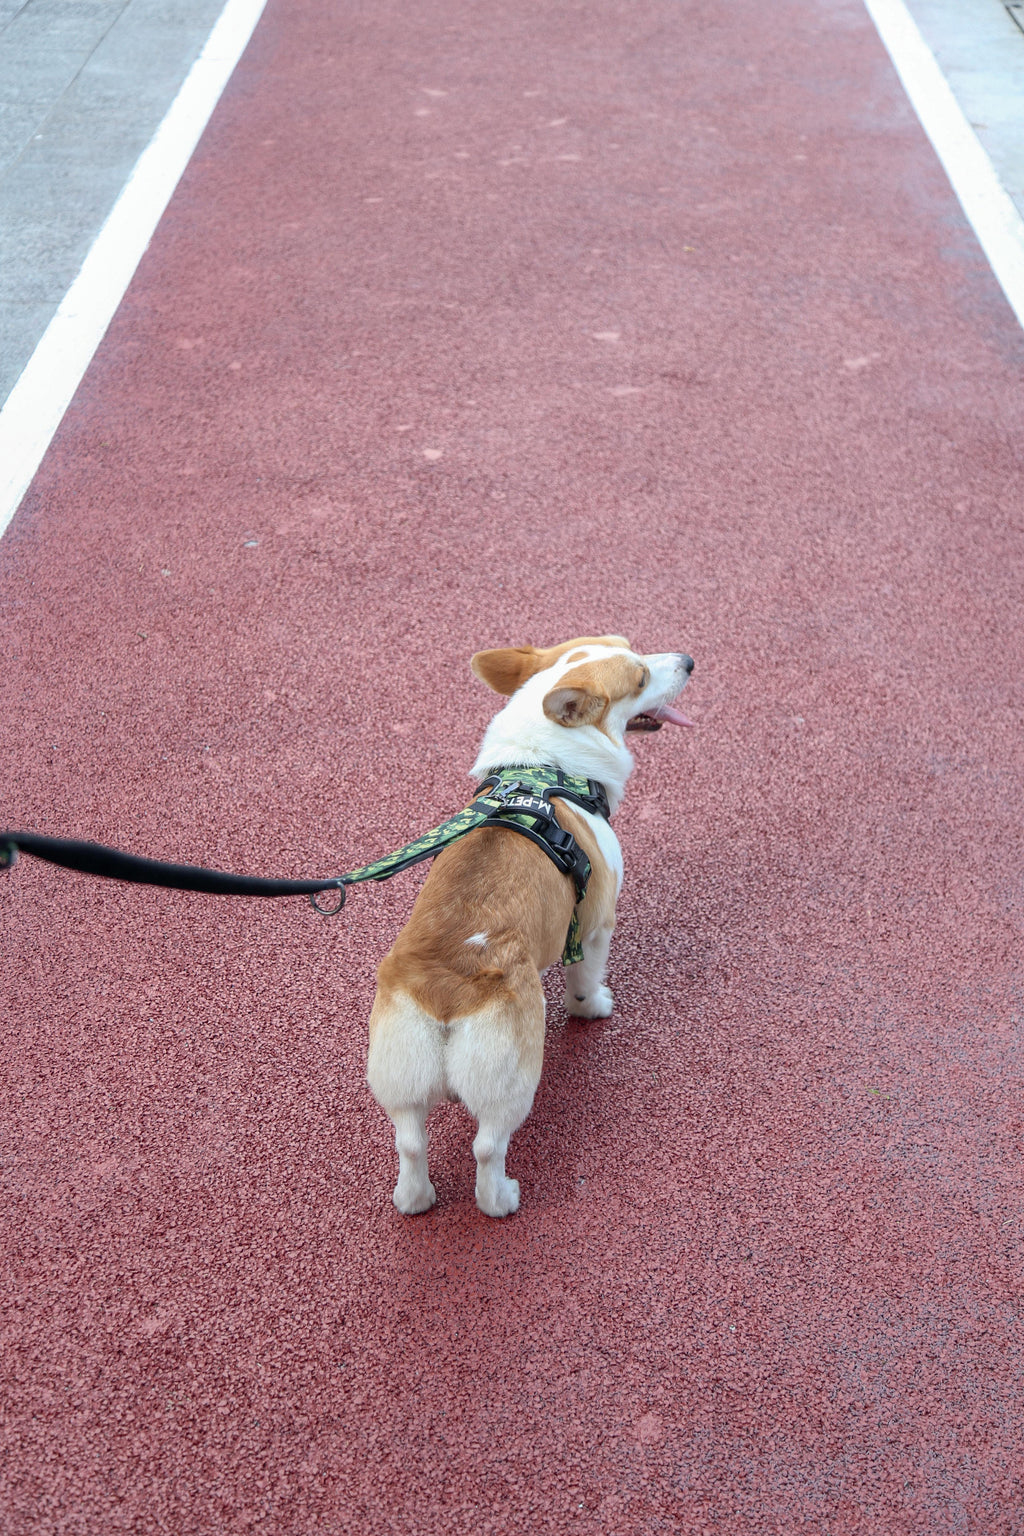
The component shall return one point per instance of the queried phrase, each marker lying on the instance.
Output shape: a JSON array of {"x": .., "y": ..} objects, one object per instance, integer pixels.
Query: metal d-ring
[{"x": 328, "y": 911}]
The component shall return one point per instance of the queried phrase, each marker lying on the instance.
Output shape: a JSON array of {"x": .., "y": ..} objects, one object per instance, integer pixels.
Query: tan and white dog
[{"x": 459, "y": 1011}]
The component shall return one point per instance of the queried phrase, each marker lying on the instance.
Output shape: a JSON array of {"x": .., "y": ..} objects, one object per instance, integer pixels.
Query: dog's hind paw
[
  {"x": 499, "y": 1197},
  {"x": 412, "y": 1198}
]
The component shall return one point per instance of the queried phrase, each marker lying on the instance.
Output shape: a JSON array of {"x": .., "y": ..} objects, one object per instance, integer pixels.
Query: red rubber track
[{"x": 767, "y": 1272}]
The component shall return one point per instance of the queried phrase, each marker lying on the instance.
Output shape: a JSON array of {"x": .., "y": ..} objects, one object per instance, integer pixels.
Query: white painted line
[
  {"x": 36, "y": 404},
  {"x": 989, "y": 208}
]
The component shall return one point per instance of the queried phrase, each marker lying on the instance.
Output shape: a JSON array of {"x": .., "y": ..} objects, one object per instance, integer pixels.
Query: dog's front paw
[
  {"x": 595, "y": 1004},
  {"x": 412, "y": 1196}
]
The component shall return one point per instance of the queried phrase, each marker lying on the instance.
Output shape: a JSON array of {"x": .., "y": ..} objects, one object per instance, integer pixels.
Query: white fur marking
[{"x": 477, "y": 938}]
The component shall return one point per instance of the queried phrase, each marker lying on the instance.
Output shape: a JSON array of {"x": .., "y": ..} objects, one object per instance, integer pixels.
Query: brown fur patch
[
  {"x": 490, "y": 881},
  {"x": 506, "y": 670},
  {"x": 585, "y": 693}
]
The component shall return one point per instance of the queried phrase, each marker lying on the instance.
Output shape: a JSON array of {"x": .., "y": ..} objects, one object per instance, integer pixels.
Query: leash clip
[
  {"x": 8, "y": 855},
  {"x": 329, "y": 911},
  {"x": 502, "y": 792}
]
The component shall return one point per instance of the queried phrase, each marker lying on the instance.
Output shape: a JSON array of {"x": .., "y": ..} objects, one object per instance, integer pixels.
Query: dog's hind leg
[
  {"x": 405, "y": 1070},
  {"x": 494, "y": 1064},
  {"x": 497, "y": 1195},
  {"x": 413, "y": 1192}
]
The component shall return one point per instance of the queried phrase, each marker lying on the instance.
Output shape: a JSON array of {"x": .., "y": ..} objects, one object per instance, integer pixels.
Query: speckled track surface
[{"x": 472, "y": 324}]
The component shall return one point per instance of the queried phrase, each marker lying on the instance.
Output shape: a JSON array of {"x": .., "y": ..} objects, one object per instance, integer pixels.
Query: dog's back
[{"x": 459, "y": 1011}]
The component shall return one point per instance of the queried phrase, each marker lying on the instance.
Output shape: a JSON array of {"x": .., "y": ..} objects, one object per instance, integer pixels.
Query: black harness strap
[
  {"x": 533, "y": 816},
  {"x": 593, "y": 799}
]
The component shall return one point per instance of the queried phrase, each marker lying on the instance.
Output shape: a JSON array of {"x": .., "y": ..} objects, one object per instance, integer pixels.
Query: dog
[{"x": 459, "y": 1010}]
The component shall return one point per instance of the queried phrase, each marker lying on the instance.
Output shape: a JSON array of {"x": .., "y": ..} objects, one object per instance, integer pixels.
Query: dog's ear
[
  {"x": 574, "y": 706},
  {"x": 508, "y": 669}
]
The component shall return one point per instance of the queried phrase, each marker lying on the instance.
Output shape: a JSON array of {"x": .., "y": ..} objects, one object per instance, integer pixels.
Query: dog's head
[{"x": 599, "y": 683}]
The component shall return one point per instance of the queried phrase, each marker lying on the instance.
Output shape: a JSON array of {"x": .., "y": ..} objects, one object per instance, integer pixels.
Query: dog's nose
[{"x": 687, "y": 662}]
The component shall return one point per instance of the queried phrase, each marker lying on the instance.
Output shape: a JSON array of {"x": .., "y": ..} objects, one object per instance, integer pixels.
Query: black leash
[{"x": 112, "y": 864}]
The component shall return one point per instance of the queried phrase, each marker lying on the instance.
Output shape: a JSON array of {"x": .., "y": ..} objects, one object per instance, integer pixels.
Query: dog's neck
[{"x": 522, "y": 734}]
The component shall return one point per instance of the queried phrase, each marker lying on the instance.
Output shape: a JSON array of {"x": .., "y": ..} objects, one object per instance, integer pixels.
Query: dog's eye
[{"x": 645, "y": 677}]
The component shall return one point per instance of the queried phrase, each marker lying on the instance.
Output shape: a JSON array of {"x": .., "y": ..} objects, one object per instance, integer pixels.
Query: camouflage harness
[{"x": 518, "y": 799}]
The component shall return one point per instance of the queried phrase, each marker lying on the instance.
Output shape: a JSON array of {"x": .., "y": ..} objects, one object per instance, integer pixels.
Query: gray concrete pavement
[
  {"x": 83, "y": 86},
  {"x": 979, "y": 46}
]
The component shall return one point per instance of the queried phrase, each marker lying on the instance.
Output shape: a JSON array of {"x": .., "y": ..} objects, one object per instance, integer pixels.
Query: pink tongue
[{"x": 666, "y": 712}]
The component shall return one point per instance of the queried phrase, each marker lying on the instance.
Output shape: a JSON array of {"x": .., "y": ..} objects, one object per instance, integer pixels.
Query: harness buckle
[{"x": 560, "y": 839}]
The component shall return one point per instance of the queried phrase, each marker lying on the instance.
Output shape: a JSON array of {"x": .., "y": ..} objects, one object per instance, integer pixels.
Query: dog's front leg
[{"x": 586, "y": 995}]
